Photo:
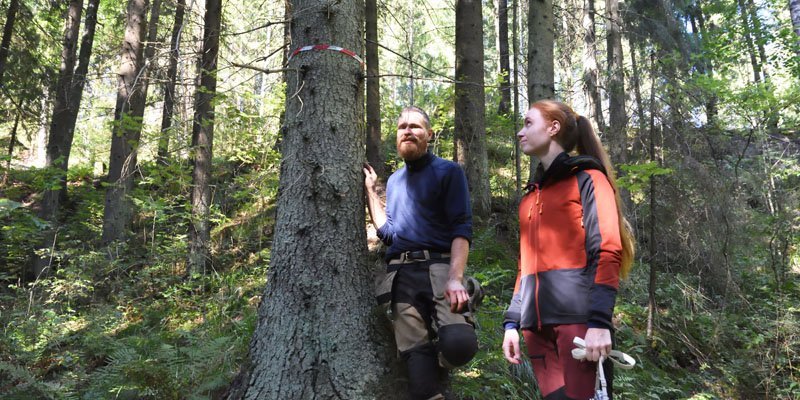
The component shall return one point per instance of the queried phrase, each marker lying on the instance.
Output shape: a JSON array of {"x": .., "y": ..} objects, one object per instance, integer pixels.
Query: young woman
[{"x": 574, "y": 246}]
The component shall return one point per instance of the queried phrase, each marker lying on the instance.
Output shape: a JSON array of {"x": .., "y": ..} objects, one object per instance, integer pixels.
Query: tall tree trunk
[
  {"x": 169, "y": 86},
  {"x": 651, "y": 287},
  {"x": 59, "y": 142},
  {"x": 152, "y": 38},
  {"x": 515, "y": 39},
  {"x": 794, "y": 11},
  {"x": 60, "y": 139},
  {"x": 637, "y": 92},
  {"x": 590, "y": 70},
  {"x": 374, "y": 154},
  {"x": 316, "y": 333},
  {"x": 748, "y": 37},
  {"x": 470, "y": 104},
  {"x": 203, "y": 140},
  {"x": 758, "y": 36},
  {"x": 502, "y": 46},
  {"x": 541, "y": 41},
  {"x": 8, "y": 30},
  {"x": 616, "y": 86},
  {"x": 127, "y": 128}
]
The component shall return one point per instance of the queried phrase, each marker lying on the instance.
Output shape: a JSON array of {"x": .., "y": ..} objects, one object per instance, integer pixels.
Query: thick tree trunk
[
  {"x": 127, "y": 128},
  {"x": 616, "y": 86},
  {"x": 374, "y": 154},
  {"x": 8, "y": 30},
  {"x": 470, "y": 107},
  {"x": 590, "y": 70},
  {"x": 316, "y": 336},
  {"x": 541, "y": 41},
  {"x": 169, "y": 86},
  {"x": 502, "y": 45},
  {"x": 203, "y": 141}
]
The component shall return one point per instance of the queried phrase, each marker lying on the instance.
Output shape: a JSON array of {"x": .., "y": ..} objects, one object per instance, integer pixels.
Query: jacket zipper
[{"x": 536, "y": 256}]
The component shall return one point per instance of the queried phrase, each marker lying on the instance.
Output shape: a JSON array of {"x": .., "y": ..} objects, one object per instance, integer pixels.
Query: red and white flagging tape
[{"x": 327, "y": 47}]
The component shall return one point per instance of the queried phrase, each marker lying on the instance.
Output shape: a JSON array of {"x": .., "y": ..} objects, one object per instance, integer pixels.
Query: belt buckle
[{"x": 415, "y": 255}]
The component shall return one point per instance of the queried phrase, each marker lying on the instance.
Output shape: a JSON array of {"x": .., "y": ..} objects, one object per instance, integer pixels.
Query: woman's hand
[
  {"x": 511, "y": 346},
  {"x": 598, "y": 343}
]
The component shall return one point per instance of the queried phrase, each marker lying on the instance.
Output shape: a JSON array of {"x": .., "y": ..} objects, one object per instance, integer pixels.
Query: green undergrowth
[
  {"x": 136, "y": 326},
  {"x": 127, "y": 322}
]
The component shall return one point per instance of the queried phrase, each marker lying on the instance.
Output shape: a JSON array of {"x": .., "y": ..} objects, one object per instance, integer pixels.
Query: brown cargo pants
[{"x": 429, "y": 337}]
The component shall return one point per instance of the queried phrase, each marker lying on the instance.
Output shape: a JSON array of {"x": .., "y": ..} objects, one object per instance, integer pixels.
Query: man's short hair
[{"x": 422, "y": 112}]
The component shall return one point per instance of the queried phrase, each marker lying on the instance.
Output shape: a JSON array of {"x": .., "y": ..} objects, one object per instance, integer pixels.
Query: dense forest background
[{"x": 150, "y": 164}]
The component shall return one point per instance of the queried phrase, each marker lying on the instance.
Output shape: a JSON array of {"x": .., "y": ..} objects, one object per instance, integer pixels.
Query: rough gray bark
[
  {"x": 8, "y": 30},
  {"x": 590, "y": 70},
  {"x": 169, "y": 87},
  {"x": 127, "y": 129},
  {"x": 470, "y": 105},
  {"x": 502, "y": 45},
  {"x": 374, "y": 154},
  {"x": 317, "y": 331},
  {"x": 203, "y": 141},
  {"x": 541, "y": 41},
  {"x": 616, "y": 134}
]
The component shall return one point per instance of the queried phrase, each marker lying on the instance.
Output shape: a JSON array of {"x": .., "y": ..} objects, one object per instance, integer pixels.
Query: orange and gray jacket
[{"x": 570, "y": 248}]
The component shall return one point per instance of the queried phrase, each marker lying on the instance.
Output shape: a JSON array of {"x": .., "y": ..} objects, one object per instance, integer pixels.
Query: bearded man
[{"x": 427, "y": 226}]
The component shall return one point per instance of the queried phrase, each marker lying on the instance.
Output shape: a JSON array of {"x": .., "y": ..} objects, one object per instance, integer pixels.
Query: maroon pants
[{"x": 557, "y": 373}]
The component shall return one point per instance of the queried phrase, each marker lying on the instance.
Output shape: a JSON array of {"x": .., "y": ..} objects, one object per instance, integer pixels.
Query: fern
[{"x": 18, "y": 383}]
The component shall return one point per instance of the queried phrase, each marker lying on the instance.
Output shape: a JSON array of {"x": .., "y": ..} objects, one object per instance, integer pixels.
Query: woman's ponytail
[
  {"x": 577, "y": 133},
  {"x": 588, "y": 143}
]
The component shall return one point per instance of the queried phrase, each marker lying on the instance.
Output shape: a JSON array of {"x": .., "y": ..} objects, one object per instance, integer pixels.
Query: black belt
[{"x": 418, "y": 255}]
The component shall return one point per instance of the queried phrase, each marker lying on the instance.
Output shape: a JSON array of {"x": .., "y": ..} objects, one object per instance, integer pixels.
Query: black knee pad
[{"x": 458, "y": 343}]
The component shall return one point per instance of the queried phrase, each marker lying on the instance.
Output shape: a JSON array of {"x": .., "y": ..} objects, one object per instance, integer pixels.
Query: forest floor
[{"x": 139, "y": 327}]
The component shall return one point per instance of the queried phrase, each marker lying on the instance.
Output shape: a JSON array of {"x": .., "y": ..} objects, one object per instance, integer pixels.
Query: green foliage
[{"x": 636, "y": 177}]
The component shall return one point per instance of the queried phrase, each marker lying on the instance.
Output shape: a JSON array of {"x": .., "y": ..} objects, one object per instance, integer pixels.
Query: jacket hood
[{"x": 564, "y": 165}]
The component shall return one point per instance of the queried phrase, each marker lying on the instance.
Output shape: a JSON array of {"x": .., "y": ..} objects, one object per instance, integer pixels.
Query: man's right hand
[
  {"x": 511, "y": 346},
  {"x": 376, "y": 208},
  {"x": 370, "y": 177}
]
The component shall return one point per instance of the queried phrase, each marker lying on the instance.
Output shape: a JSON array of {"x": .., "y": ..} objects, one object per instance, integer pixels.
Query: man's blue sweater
[{"x": 427, "y": 206}]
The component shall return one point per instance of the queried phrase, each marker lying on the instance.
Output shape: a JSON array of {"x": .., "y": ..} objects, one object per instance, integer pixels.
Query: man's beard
[{"x": 410, "y": 152}]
